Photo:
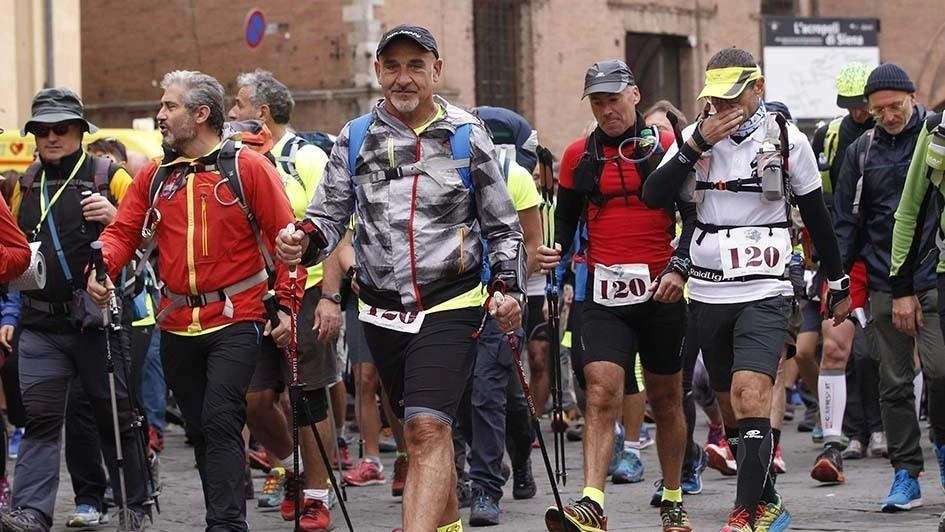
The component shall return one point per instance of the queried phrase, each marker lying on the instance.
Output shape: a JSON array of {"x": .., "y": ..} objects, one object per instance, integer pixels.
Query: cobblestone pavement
[{"x": 848, "y": 507}]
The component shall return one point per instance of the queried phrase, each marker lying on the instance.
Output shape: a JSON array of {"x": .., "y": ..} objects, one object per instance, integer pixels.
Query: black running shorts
[
  {"x": 741, "y": 337},
  {"x": 616, "y": 334},
  {"x": 427, "y": 370}
]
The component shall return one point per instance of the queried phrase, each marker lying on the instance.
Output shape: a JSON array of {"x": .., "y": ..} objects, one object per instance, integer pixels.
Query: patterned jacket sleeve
[{"x": 332, "y": 203}]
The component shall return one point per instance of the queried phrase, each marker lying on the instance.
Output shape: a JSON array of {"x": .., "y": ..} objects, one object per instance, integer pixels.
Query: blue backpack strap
[
  {"x": 357, "y": 130},
  {"x": 460, "y": 144}
]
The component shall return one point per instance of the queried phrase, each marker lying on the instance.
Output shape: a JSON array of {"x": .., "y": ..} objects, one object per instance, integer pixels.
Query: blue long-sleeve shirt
[{"x": 11, "y": 308}]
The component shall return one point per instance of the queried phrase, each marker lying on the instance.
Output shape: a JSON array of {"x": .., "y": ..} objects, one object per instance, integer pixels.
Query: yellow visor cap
[{"x": 728, "y": 83}]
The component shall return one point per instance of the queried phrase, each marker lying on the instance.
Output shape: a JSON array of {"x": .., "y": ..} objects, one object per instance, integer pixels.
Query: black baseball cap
[
  {"x": 610, "y": 76},
  {"x": 417, "y": 34}
]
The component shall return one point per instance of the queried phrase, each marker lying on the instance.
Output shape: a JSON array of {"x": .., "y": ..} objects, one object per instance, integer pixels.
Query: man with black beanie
[{"x": 869, "y": 189}]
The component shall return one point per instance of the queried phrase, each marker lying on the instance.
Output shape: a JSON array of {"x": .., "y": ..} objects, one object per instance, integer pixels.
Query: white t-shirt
[{"x": 751, "y": 249}]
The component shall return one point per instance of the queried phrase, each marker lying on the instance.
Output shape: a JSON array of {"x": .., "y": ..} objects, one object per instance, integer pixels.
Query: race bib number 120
[
  {"x": 621, "y": 284},
  {"x": 405, "y": 322},
  {"x": 753, "y": 251}
]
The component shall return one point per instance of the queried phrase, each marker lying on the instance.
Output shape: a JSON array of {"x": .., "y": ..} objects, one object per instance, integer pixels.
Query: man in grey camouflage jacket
[{"x": 423, "y": 213}]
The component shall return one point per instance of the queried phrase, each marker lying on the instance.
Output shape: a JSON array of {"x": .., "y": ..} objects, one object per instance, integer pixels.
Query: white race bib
[
  {"x": 754, "y": 251},
  {"x": 621, "y": 284},
  {"x": 405, "y": 322}
]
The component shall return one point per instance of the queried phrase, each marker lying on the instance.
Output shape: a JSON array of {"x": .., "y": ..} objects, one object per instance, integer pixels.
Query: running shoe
[
  {"x": 817, "y": 435},
  {"x": 292, "y": 486},
  {"x": 618, "y": 449},
  {"x": 523, "y": 481},
  {"x": 273, "y": 491},
  {"x": 854, "y": 451},
  {"x": 368, "y": 473},
  {"x": 629, "y": 470},
  {"x": 738, "y": 521},
  {"x": 674, "y": 517},
  {"x": 259, "y": 459},
  {"x": 345, "y": 454},
  {"x": 877, "y": 447},
  {"x": 387, "y": 443},
  {"x": 84, "y": 515},
  {"x": 721, "y": 459},
  {"x": 772, "y": 517},
  {"x": 692, "y": 474},
  {"x": 22, "y": 520},
  {"x": 828, "y": 468},
  {"x": 645, "y": 439},
  {"x": 315, "y": 517},
  {"x": 399, "y": 482},
  {"x": 904, "y": 494},
  {"x": 583, "y": 515},
  {"x": 484, "y": 510}
]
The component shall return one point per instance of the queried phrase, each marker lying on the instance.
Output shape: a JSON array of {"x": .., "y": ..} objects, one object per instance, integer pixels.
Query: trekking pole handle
[
  {"x": 98, "y": 262},
  {"x": 293, "y": 272},
  {"x": 272, "y": 308}
]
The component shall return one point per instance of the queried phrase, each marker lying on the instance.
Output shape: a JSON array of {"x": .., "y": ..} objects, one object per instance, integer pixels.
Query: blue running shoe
[
  {"x": 904, "y": 494},
  {"x": 692, "y": 474},
  {"x": 619, "y": 435},
  {"x": 629, "y": 470},
  {"x": 645, "y": 439}
]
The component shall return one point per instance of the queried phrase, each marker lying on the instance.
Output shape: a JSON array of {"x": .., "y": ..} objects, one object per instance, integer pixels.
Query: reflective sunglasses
[{"x": 42, "y": 130}]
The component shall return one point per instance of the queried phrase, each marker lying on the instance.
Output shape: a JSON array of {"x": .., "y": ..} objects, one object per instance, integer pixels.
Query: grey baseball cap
[
  {"x": 417, "y": 34},
  {"x": 611, "y": 76},
  {"x": 54, "y": 105}
]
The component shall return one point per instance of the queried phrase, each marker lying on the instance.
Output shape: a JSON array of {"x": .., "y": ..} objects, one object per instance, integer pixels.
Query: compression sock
[
  {"x": 754, "y": 458},
  {"x": 732, "y": 438},
  {"x": 832, "y": 393}
]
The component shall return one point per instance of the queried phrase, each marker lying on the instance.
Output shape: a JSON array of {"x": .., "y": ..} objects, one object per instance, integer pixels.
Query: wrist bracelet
[{"x": 700, "y": 141}]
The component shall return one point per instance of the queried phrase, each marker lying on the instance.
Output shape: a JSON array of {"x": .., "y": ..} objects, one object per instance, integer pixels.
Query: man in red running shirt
[{"x": 635, "y": 285}]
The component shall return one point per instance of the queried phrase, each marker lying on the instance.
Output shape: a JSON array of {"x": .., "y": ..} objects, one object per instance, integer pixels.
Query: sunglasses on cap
[{"x": 42, "y": 130}]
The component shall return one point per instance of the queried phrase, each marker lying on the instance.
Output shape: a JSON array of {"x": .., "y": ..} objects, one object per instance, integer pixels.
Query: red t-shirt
[{"x": 623, "y": 231}]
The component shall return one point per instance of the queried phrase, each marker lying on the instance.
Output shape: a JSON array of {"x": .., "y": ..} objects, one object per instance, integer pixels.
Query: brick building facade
[{"x": 526, "y": 54}]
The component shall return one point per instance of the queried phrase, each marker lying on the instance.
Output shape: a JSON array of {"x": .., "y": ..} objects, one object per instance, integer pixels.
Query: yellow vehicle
[{"x": 16, "y": 152}]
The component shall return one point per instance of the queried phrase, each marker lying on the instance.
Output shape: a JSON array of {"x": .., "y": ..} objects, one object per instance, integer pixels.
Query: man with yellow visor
[{"x": 742, "y": 166}]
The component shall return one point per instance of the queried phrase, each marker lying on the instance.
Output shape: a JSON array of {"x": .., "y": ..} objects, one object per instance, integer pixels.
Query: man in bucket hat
[{"x": 59, "y": 340}]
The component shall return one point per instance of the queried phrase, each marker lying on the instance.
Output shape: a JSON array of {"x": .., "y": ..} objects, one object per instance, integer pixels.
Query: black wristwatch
[{"x": 334, "y": 298}]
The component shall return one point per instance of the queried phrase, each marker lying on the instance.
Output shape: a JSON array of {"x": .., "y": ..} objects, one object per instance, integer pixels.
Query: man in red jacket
[{"x": 214, "y": 271}]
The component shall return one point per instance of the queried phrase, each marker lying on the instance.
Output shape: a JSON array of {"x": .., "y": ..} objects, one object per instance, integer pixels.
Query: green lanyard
[{"x": 44, "y": 209}]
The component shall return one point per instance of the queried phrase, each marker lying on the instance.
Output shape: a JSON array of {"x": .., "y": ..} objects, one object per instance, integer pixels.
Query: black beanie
[{"x": 888, "y": 77}]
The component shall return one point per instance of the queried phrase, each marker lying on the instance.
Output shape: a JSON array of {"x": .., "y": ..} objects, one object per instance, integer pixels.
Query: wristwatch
[
  {"x": 842, "y": 283},
  {"x": 334, "y": 298}
]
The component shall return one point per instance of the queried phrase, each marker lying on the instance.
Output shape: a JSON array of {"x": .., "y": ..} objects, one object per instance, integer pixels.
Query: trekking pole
[
  {"x": 271, "y": 305},
  {"x": 339, "y": 491},
  {"x": 498, "y": 296},
  {"x": 138, "y": 420},
  {"x": 112, "y": 321},
  {"x": 546, "y": 178}
]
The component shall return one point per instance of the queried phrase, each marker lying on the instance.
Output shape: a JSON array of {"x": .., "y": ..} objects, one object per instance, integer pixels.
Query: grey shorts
[
  {"x": 317, "y": 360},
  {"x": 741, "y": 336}
]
